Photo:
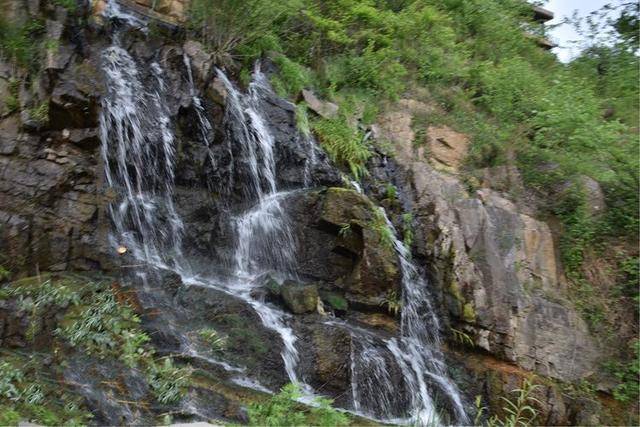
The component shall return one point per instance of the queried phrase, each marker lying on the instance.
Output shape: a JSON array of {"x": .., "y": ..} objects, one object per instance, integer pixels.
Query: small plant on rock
[
  {"x": 284, "y": 410},
  {"x": 392, "y": 301},
  {"x": 519, "y": 412},
  {"x": 215, "y": 340},
  {"x": 168, "y": 382}
]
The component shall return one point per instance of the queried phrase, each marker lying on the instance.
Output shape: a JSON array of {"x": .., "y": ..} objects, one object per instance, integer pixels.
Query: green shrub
[
  {"x": 292, "y": 77},
  {"x": 40, "y": 113},
  {"x": 518, "y": 412},
  {"x": 224, "y": 26},
  {"x": 214, "y": 340},
  {"x": 168, "y": 382},
  {"x": 283, "y": 410},
  {"x": 628, "y": 375},
  {"x": 343, "y": 144},
  {"x": 19, "y": 43},
  {"x": 106, "y": 328}
]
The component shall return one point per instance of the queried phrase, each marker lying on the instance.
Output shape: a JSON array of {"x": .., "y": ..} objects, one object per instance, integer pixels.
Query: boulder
[
  {"x": 332, "y": 351},
  {"x": 74, "y": 101},
  {"x": 300, "y": 298},
  {"x": 594, "y": 195},
  {"x": 325, "y": 109},
  {"x": 342, "y": 206}
]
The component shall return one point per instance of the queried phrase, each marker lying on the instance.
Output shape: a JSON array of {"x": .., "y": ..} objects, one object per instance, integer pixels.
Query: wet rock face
[
  {"x": 49, "y": 202},
  {"x": 337, "y": 245},
  {"x": 496, "y": 267}
]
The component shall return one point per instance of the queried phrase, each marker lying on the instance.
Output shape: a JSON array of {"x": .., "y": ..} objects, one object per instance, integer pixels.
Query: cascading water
[
  {"x": 139, "y": 155},
  {"x": 138, "y": 149},
  {"x": 417, "y": 349},
  {"x": 264, "y": 242}
]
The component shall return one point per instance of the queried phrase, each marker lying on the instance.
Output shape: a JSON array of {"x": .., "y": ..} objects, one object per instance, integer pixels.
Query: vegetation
[
  {"x": 517, "y": 412},
  {"x": 18, "y": 41},
  {"x": 383, "y": 230},
  {"x": 214, "y": 340},
  {"x": 284, "y": 410},
  {"x": 29, "y": 392},
  {"x": 344, "y": 144},
  {"x": 99, "y": 320},
  {"x": 628, "y": 374},
  {"x": 393, "y": 302}
]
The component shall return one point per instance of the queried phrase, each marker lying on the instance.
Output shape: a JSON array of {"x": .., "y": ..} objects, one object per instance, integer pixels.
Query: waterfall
[
  {"x": 139, "y": 154},
  {"x": 264, "y": 242},
  {"x": 264, "y": 239},
  {"x": 417, "y": 348}
]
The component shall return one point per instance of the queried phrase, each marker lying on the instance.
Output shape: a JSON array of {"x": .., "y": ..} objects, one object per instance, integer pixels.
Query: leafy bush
[
  {"x": 225, "y": 25},
  {"x": 168, "y": 382},
  {"x": 518, "y": 412},
  {"x": 343, "y": 144},
  {"x": 26, "y": 393},
  {"x": 628, "y": 374},
  {"x": 284, "y": 410},
  {"x": 393, "y": 302},
  {"x": 214, "y": 340},
  {"x": 18, "y": 43},
  {"x": 291, "y": 77},
  {"x": 106, "y": 328}
]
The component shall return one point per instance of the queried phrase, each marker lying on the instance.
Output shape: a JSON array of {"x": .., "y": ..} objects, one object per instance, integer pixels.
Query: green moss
[
  {"x": 468, "y": 313},
  {"x": 337, "y": 302}
]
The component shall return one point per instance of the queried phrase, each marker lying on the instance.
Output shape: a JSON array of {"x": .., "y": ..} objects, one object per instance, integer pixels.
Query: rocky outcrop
[
  {"x": 496, "y": 266},
  {"x": 447, "y": 148},
  {"x": 340, "y": 246},
  {"x": 325, "y": 109}
]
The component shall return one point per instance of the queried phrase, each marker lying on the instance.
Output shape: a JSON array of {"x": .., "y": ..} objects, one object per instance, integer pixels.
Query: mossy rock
[
  {"x": 300, "y": 298},
  {"x": 344, "y": 206}
]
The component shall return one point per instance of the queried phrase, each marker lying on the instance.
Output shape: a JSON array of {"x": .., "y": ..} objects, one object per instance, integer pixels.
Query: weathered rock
[
  {"x": 300, "y": 298},
  {"x": 57, "y": 53},
  {"x": 74, "y": 98},
  {"x": 497, "y": 267},
  {"x": 332, "y": 348},
  {"x": 447, "y": 148},
  {"x": 216, "y": 91},
  {"x": 594, "y": 196},
  {"x": 201, "y": 61},
  {"x": 377, "y": 272},
  {"x": 325, "y": 109}
]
